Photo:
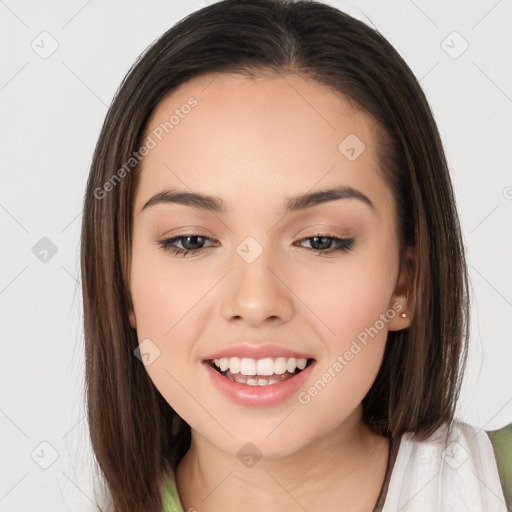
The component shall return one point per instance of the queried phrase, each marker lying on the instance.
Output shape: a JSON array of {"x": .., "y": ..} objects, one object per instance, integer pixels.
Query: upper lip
[{"x": 257, "y": 351}]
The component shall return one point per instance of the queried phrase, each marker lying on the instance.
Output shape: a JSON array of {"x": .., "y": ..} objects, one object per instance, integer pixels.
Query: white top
[{"x": 460, "y": 475}]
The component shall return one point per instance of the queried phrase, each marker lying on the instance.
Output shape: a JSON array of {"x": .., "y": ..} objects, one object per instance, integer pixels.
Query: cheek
[
  {"x": 166, "y": 303},
  {"x": 162, "y": 293},
  {"x": 348, "y": 296},
  {"x": 353, "y": 345},
  {"x": 350, "y": 303}
]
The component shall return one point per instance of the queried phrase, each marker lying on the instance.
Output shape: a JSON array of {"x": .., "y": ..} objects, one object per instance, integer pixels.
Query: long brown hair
[{"x": 137, "y": 438}]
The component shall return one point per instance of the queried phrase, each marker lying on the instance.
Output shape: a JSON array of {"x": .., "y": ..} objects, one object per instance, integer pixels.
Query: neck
[{"x": 342, "y": 470}]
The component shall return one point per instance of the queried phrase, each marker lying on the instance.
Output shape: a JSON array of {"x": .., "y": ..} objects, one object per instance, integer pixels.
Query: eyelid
[
  {"x": 324, "y": 229},
  {"x": 190, "y": 230}
]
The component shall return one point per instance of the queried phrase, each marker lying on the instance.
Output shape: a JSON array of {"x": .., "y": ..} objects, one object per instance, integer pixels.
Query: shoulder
[
  {"x": 454, "y": 465},
  {"x": 501, "y": 441},
  {"x": 170, "y": 499}
]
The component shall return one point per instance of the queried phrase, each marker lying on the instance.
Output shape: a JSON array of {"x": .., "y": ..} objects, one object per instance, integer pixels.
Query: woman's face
[{"x": 255, "y": 278}]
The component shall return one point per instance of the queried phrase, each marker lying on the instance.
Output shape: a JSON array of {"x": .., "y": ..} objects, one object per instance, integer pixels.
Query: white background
[{"x": 51, "y": 113}]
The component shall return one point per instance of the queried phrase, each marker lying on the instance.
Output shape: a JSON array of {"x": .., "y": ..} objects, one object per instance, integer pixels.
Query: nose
[{"x": 258, "y": 288}]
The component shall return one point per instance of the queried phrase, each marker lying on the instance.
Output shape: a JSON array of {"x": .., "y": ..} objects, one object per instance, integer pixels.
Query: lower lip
[{"x": 259, "y": 396}]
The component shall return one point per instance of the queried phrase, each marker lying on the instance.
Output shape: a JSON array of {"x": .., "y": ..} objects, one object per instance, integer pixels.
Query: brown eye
[
  {"x": 194, "y": 243},
  {"x": 190, "y": 243},
  {"x": 326, "y": 244}
]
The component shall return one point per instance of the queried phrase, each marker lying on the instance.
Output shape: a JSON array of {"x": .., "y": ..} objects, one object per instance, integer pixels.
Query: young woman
[{"x": 274, "y": 282}]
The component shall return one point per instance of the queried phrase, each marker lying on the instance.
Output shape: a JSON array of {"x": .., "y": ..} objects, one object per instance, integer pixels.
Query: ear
[
  {"x": 133, "y": 320},
  {"x": 402, "y": 300}
]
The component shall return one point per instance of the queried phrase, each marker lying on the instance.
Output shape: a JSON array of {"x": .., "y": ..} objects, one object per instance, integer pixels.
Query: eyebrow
[{"x": 293, "y": 204}]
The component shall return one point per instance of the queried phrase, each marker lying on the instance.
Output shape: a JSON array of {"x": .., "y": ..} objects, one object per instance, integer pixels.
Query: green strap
[
  {"x": 501, "y": 440},
  {"x": 170, "y": 498}
]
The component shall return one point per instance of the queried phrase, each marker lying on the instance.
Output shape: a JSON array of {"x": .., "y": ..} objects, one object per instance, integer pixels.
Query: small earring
[{"x": 403, "y": 315}]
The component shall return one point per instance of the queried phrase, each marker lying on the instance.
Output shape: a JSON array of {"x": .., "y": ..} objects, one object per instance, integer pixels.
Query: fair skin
[{"x": 255, "y": 143}]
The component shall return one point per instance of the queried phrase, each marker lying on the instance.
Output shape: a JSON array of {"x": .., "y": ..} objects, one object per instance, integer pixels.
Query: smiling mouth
[{"x": 258, "y": 380}]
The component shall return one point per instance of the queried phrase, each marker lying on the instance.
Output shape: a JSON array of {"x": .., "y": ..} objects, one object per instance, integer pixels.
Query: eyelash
[{"x": 343, "y": 244}]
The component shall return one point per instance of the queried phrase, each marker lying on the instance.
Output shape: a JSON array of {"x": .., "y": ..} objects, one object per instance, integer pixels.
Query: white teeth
[
  {"x": 263, "y": 367},
  {"x": 291, "y": 365},
  {"x": 247, "y": 366},
  {"x": 234, "y": 364},
  {"x": 280, "y": 365}
]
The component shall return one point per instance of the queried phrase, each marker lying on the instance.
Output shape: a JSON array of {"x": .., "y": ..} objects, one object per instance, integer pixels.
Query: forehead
[{"x": 226, "y": 133}]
